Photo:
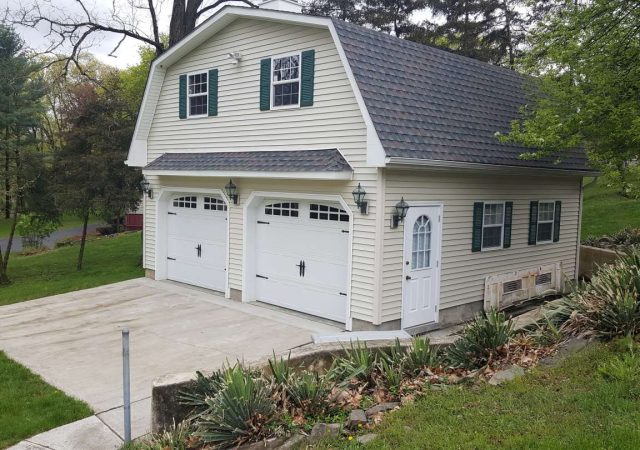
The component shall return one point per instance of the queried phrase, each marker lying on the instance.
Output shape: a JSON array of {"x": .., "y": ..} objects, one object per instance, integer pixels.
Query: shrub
[
  {"x": 240, "y": 411},
  {"x": 310, "y": 392},
  {"x": 280, "y": 369},
  {"x": 358, "y": 363},
  {"x": 420, "y": 356},
  {"x": 481, "y": 340},
  {"x": 622, "y": 239},
  {"x": 35, "y": 229},
  {"x": 177, "y": 438},
  {"x": 610, "y": 305},
  {"x": 202, "y": 388}
]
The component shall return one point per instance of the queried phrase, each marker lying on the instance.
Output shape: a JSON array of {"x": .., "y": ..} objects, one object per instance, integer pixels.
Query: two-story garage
[{"x": 344, "y": 173}]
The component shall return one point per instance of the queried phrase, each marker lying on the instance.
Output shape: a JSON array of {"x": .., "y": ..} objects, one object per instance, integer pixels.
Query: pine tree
[
  {"x": 347, "y": 10},
  {"x": 392, "y": 16}
]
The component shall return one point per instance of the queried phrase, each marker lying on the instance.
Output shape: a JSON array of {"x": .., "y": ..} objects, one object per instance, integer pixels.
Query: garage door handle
[
  {"x": 299, "y": 266},
  {"x": 199, "y": 250}
]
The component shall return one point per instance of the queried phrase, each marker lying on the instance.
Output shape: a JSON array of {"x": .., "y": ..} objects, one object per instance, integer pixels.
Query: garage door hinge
[
  {"x": 345, "y": 231},
  {"x": 262, "y": 276},
  {"x": 169, "y": 258},
  {"x": 343, "y": 293},
  {"x": 262, "y": 222},
  {"x": 173, "y": 214}
]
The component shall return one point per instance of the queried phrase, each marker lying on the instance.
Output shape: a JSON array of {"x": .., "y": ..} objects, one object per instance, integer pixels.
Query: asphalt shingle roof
[
  {"x": 427, "y": 103},
  {"x": 329, "y": 160}
]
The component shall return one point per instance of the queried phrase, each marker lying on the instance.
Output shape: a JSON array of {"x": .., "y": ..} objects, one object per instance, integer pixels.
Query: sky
[{"x": 102, "y": 44}]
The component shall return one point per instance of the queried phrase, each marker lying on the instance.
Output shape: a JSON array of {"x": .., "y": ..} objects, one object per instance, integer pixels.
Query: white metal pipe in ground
[{"x": 126, "y": 385}]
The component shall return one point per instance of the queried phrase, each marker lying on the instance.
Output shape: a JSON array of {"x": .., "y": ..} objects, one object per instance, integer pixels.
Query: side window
[
  {"x": 285, "y": 81},
  {"x": 214, "y": 204},
  {"x": 287, "y": 209},
  {"x": 197, "y": 89},
  {"x": 326, "y": 212},
  {"x": 545, "y": 221},
  {"x": 492, "y": 226},
  {"x": 185, "y": 202}
]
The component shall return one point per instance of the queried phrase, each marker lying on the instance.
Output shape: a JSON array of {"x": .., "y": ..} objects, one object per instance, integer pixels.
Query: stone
[
  {"x": 324, "y": 430},
  {"x": 573, "y": 345},
  {"x": 356, "y": 417},
  {"x": 293, "y": 442},
  {"x": 267, "y": 444},
  {"x": 366, "y": 438},
  {"x": 506, "y": 375},
  {"x": 382, "y": 407}
]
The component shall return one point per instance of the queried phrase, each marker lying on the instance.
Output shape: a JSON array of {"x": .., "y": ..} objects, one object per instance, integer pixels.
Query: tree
[
  {"x": 392, "y": 16},
  {"x": 586, "y": 57},
  {"x": 128, "y": 19},
  {"x": 21, "y": 108},
  {"x": 506, "y": 37},
  {"x": 347, "y": 10}
]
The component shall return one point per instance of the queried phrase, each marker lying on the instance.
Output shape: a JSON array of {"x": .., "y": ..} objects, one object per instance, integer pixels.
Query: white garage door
[
  {"x": 302, "y": 257},
  {"x": 197, "y": 240}
]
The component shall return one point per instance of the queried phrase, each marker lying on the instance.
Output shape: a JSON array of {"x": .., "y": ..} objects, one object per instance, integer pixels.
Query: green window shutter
[
  {"x": 508, "y": 213},
  {"x": 556, "y": 221},
  {"x": 213, "y": 92},
  {"x": 265, "y": 84},
  {"x": 182, "y": 101},
  {"x": 533, "y": 222},
  {"x": 478, "y": 216},
  {"x": 306, "y": 81}
]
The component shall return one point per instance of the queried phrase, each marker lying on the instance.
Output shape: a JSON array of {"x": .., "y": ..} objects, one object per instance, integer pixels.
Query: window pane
[
  {"x": 491, "y": 237},
  {"x": 493, "y": 213},
  {"x": 198, "y": 105},
  {"x": 545, "y": 211},
  {"x": 421, "y": 243},
  {"x": 545, "y": 231}
]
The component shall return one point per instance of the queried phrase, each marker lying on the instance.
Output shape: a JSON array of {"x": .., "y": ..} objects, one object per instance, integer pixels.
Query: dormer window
[
  {"x": 197, "y": 94},
  {"x": 285, "y": 81}
]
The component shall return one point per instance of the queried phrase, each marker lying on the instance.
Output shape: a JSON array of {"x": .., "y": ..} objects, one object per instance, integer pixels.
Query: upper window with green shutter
[
  {"x": 197, "y": 94},
  {"x": 548, "y": 221},
  {"x": 285, "y": 81}
]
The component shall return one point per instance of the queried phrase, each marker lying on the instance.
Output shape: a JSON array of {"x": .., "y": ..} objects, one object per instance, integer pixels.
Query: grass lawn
[
  {"x": 68, "y": 221},
  {"x": 568, "y": 407},
  {"x": 605, "y": 211},
  {"x": 106, "y": 260},
  {"x": 29, "y": 406}
]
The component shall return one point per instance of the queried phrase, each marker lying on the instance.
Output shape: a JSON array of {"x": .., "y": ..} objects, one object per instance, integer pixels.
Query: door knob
[{"x": 407, "y": 277}]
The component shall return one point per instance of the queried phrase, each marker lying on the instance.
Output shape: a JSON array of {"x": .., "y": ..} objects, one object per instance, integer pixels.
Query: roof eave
[
  {"x": 300, "y": 175},
  {"x": 400, "y": 162}
]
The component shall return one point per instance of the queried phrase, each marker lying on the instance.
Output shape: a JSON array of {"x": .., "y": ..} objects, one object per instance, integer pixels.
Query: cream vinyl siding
[
  {"x": 334, "y": 121},
  {"x": 463, "y": 271}
]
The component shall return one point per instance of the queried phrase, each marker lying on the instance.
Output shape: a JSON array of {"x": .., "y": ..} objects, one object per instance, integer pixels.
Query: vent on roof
[
  {"x": 506, "y": 289},
  {"x": 511, "y": 286},
  {"x": 543, "y": 278}
]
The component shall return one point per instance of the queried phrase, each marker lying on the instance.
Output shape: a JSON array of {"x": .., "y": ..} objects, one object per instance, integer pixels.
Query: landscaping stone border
[{"x": 592, "y": 257}]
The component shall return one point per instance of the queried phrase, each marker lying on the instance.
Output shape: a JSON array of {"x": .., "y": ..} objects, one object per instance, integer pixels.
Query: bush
[
  {"x": 239, "y": 411},
  {"x": 358, "y": 363},
  {"x": 481, "y": 340},
  {"x": 35, "y": 229},
  {"x": 622, "y": 240},
  {"x": 420, "y": 356},
  {"x": 310, "y": 392},
  {"x": 178, "y": 438},
  {"x": 609, "y": 305}
]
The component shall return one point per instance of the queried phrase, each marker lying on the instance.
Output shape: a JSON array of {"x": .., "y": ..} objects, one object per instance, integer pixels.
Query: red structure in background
[{"x": 133, "y": 222}]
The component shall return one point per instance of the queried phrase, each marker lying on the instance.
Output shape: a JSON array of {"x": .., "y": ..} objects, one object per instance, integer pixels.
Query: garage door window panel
[
  {"x": 325, "y": 212},
  {"x": 285, "y": 209},
  {"x": 190, "y": 202},
  {"x": 214, "y": 204}
]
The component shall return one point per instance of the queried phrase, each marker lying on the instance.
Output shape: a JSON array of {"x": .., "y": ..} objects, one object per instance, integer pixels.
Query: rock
[
  {"x": 382, "y": 407},
  {"x": 356, "y": 417},
  {"x": 292, "y": 442},
  {"x": 573, "y": 345},
  {"x": 324, "y": 430},
  {"x": 505, "y": 375},
  {"x": 267, "y": 444},
  {"x": 366, "y": 438}
]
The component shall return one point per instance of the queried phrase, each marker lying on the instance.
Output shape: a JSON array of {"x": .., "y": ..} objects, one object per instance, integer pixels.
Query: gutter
[{"x": 407, "y": 163}]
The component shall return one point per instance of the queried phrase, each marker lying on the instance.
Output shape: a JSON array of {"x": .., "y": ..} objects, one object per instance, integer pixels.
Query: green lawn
[
  {"x": 107, "y": 260},
  {"x": 569, "y": 407},
  {"x": 68, "y": 221},
  {"x": 605, "y": 211},
  {"x": 29, "y": 406}
]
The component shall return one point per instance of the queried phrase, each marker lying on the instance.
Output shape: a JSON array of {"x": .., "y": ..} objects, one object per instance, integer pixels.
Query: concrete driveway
[{"x": 74, "y": 340}]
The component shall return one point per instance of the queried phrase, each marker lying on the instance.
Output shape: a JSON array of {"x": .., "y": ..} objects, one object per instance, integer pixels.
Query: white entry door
[
  {"x": 421, "y": 265},
  {"x": 197, "y": 240},
  {"x": 302, "y": 257}
]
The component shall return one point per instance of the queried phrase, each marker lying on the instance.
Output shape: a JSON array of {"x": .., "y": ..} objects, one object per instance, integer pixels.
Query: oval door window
[{"x": 421, "y": 249}]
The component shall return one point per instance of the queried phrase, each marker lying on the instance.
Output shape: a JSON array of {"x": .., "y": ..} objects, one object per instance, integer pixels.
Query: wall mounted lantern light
[
  {"x": 232, "y": 192},
  {"x": 401, "y": 212},
  {"x": 358, "y": 196},
  {"x": 146, "y": 187}
]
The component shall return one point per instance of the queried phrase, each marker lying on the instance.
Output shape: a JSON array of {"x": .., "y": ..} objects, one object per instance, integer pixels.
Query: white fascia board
[
  {"x": 413, "y": 163},
  {"x": 346, "y": 175},
  {"x": 137, "y": 153}
]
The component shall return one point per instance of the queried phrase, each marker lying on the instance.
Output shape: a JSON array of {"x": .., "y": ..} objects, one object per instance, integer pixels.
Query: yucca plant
[
  {"x": 280, "y": 369},
  {"x": 310, "y": 391},
  {"x": 358, "y": 363},
  {"x": 391, "y": 376},
  {"x": 420, "y": 356},
  {"x": 480, "y": 340},
  {"x": 177, "y": 438},
  {"x": 202, "y": 388},
  {"x": 241, "y": 411},
  {"x": 395, "y": 356}
]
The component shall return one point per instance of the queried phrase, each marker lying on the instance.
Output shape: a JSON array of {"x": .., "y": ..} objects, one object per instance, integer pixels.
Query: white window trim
[
  {"x": 552, "y": 221},
  {"x": 272, "y": 83},
  {"x": 501, "y": 246},
  {"x": 206, "y": 94}
]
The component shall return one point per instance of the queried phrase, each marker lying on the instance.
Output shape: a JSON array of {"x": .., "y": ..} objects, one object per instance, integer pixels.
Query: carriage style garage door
[
  {"x": 197, "y": 240},
  {"x": 302, "y": 257}
]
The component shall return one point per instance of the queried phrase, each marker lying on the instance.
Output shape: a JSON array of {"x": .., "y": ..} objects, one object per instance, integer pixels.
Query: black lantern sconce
[
  {"x": 401, "y": 212},
  {"x": 232, "y": 192},
  {"x": 146, "y": 187},
  {"x": 358, "y": 197}
]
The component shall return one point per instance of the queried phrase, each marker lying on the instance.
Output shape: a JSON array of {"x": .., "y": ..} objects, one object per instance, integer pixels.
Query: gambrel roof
[{"x": 421, "y": 105}]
